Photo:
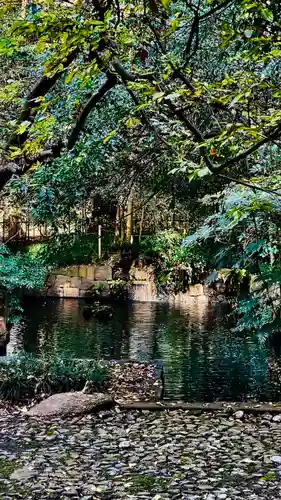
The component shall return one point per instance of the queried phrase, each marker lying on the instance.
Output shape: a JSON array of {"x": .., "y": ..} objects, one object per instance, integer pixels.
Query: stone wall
[{"x": 75, "y": 281}]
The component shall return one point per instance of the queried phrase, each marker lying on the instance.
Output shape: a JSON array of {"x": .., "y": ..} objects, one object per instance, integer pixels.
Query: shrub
[
  {"x": 71, "y": 249},
  {"x": 26, "y": 376},
  {"x": 176, "y": 265},
  {"x": 118, "y": 289}
]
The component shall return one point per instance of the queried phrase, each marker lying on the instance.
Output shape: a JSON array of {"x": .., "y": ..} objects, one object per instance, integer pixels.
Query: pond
[{"x": 202, "y": 360}]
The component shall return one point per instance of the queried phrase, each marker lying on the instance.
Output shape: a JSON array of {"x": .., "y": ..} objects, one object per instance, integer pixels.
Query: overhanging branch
[
  {"x": 110, "y": 82},
  {"x": 40, "y": 90}
]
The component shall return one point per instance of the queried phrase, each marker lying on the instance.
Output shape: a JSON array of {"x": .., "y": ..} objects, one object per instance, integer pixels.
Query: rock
[
  {"x": 267, "y": 416},
  {"x": 123, "y": 445},
  {"x": 276, "y": 459},
  {"x": 70, "y": 403},
  {"x": 238, "y": 414},
  {"x": 23, "y": 474},
  {"x": 276, "y": 418}
]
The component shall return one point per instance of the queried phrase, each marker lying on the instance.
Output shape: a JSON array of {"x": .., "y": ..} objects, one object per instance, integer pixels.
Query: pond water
[{"x": 202, "y": 360}]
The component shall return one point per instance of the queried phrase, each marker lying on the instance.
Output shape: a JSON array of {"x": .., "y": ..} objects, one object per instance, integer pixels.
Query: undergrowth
[{"x": 25, "y": 377}]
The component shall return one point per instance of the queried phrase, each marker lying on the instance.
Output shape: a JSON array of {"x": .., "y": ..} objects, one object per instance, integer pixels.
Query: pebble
[
  {"x": 140, "y": 456},
  {"x": 239, "y": 414}
]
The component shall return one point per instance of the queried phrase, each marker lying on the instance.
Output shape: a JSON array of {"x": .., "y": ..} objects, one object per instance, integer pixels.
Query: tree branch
[
  {"x": 219, "y": 7},
  {"x": 194, "y": 32},
  {"x": 274, "y": 134},
  {"x": 110, "y": 82},
  {"x": 40, "y": 90},
  {"x": 250, "y": 185}
]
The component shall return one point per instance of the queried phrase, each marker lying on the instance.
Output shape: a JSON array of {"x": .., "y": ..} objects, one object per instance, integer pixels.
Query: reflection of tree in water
[
  {"x": 206, "y": 365},
  {"x": 175, "y": 329},
  {"x": 142, "y": 334},
  {"x": 59, "y": 326},
  {"x": 15, "y": 344},
  {"x": 201, "y": 360}
]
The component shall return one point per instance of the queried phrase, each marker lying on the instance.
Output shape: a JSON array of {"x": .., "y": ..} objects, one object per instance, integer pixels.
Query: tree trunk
[
  {"x": 23, "y": 7},
  {"x": 122, "y": 223},
  {"x": 129, "y": 221},
  {"x": 15, "y": 344},
  {"x": 141, "y": 223},
  {"x": 117, "y": 224}
]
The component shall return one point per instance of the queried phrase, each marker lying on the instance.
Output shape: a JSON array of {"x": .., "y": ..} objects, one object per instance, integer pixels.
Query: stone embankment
[{"x": 77, "y": 281}]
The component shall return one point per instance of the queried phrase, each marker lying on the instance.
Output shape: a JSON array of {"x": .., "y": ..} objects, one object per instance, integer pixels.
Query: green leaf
[
  {"x": 267, "y": 14},
  {"x": 158, "y": 96},
  {"x": 23, "y": 127},
  {"x": 166, "y": 4},
  {"x": 110, "y": 135},
  {"x": 132, "y": 122}
]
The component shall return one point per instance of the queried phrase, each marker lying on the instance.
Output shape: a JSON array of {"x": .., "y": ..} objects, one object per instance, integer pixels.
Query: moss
[
  {"x": 7, "y": 467},
  {"x": 64, "y": 458},
  {"x": 146, "y": 483}
]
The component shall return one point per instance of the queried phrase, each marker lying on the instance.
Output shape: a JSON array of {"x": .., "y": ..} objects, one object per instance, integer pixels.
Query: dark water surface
[{"x": 202, "y": 361}]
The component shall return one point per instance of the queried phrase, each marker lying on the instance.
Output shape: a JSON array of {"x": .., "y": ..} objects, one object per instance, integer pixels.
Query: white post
[{"x": 99, "y": 241}]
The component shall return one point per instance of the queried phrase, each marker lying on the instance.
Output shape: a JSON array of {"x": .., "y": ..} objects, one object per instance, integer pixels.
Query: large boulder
[{"x": 70, "y": 403}]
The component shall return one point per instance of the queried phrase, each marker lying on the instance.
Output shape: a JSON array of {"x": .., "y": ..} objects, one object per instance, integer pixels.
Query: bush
[
  {"x": 176, "y": 265},
  {"x": 71, "y": 249},
  {"x": 26, "y": 376}
]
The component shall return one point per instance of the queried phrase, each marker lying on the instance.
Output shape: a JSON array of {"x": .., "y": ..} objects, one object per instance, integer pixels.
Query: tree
[{"x": 151, "y": 50}]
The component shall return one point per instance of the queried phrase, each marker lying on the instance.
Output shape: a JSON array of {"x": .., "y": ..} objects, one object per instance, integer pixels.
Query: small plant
[
  {"x": 96, "y": 290},
  {"x": 270, "y": 476},
  {"x": 118, "y": 289},
  {"x": 7, "y": 467}
]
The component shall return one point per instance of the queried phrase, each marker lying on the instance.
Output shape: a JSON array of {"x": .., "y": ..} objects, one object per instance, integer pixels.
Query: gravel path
[{"x": 141, "y": 455}]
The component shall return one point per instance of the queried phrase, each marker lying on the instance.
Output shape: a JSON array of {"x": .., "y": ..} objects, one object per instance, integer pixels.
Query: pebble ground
[{"x": 141, "y": 455}]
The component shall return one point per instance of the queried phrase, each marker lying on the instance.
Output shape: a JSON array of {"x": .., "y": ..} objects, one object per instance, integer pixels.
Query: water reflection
[{"x": 202, "y": 360}]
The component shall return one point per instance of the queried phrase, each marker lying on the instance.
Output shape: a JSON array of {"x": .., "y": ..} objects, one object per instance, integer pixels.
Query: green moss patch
[
  {"x": 147, "y": 483},
  {"x": 7, "y": 467}
]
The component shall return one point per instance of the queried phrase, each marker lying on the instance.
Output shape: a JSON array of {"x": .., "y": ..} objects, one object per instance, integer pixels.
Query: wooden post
[{"x": 99, "y": 241}]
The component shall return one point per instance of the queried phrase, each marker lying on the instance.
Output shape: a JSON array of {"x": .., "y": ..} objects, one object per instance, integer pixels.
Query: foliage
[
  {"x": 196, "y": 83},
  {"x": 118, "y": 289},
  {"x": 177, "y": 266},
  {"x": 18, "y": 272},
  {"x": 70, "y": 249},
  {"x": 245, "y": 236},
  {"x": 25, "y": 376}
]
